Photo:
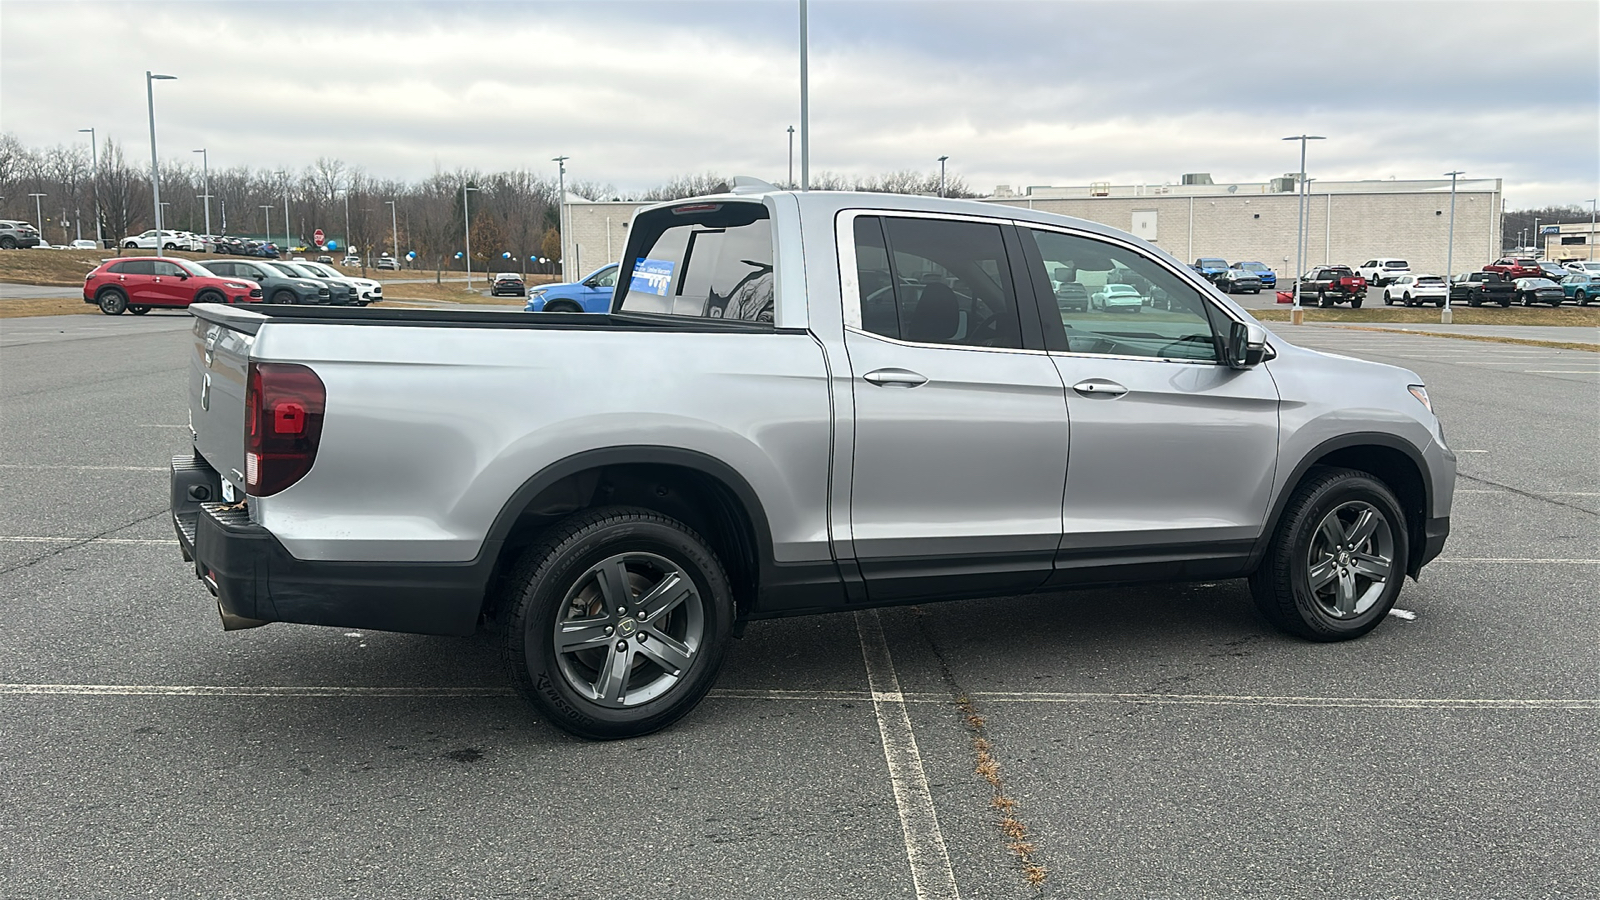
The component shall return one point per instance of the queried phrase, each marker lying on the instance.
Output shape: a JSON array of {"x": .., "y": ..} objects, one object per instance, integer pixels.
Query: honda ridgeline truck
[{"x": 798, "y": 403}]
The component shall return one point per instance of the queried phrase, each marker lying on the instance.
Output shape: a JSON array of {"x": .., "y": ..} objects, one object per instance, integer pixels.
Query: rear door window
[
  {"x": 936, "y": 281},
  {"x": 700, "y": 260},
  {"x": 138, "y": 267}
]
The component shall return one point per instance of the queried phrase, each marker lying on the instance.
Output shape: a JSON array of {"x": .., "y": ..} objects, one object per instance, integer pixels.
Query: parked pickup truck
[
  {"x": 1478, "y": 288},
  {"x": 1334, "y": 284},
  {"x": 780, "y": 416}
]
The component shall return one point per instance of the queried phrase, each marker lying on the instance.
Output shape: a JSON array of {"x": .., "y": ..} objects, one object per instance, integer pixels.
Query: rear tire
[
  {"x": 1387, "y": 300},
  {"x": 130, "y": 245},
  {"x": 616, "y": 622},
  {"x": 8, "y": 243},
  {"x": 1582, "y": 298},
  {"x": 1336, "y": 565},
  {"x": 562, "y": 306},
  {"x": 138, "y": 310},
  {"x": 210, "y": 297},
  {"x": 1408, "y": 300},
  {"x": 1355, "y": 302},
  {"x": 113, "y": 302},
  {"x": 284, "y": 297}
]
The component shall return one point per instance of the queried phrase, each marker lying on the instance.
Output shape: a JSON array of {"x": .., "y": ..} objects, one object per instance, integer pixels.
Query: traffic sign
[{"x": 317, "y": 237}]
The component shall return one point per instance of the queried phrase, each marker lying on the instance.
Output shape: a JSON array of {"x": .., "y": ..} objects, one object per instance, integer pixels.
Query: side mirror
[{"x": 1245, "y": 346}]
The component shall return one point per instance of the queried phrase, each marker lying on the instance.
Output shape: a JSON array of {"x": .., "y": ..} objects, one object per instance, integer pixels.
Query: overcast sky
[{"x": 1052, "y": 93}]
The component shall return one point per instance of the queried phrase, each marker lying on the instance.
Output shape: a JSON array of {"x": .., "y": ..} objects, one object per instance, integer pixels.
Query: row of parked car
[{"x": 138, "y": 284}]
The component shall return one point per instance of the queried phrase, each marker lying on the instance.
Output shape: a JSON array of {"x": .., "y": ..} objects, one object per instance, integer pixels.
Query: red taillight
[{"x": 283, "y": 419}]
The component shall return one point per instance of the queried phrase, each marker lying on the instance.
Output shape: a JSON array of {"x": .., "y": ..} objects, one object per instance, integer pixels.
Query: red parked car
[
  {"x": 1513, "y": 267},
  {"x": 141, "y": 283}
]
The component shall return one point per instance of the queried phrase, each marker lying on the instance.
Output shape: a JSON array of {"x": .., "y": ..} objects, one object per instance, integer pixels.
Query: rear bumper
[{"x": 257, "y": 581}]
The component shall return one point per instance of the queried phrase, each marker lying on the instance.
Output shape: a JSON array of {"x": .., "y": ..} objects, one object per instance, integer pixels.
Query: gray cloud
[{"x": 1019, "y": 93}]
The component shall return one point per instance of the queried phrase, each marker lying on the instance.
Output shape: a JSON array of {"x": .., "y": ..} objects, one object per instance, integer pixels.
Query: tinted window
[
  {"x": 138, "y": 267},
  {"x": 1134, "y": 307},
  {"x": 607, "y": 278},
  {"x": 704, "y": 260},
  {"x": 933, "y": 281},
  {"x": 285, "y": 269},
  {"x": 166, "y": 268}
]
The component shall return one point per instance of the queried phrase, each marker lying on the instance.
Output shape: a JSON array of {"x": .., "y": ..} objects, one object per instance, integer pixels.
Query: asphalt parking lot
[{"x": 1151, "y": 742}]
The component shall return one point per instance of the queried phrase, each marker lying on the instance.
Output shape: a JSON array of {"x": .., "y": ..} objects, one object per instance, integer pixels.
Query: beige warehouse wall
[{"x": 1348, "y": 229}]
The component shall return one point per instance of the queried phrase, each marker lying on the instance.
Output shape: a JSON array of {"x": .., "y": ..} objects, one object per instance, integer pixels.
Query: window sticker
[{"x": 651, "y": 276}]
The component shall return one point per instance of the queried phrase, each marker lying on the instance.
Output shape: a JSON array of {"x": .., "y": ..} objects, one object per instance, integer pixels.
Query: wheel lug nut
[
  {"x": 622, "y": 645},
  {"x": 622, "y": 610},
  {"x": 642, "y": 636},
  {"x": 609, "y": 629}
]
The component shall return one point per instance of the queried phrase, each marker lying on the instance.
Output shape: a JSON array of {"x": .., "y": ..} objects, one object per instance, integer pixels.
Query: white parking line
[
  {"x": 89, "y": 468},
  {"x": 18, "y": 539},
  {"x": 931, "y": 873},
  {"x": 892, "y": 698}
]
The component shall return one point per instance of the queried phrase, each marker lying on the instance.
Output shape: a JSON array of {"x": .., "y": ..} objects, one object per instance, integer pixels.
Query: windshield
[
  {"x": 195, "y": 268},
  {"x": 320, "y": 270},
  {"x": 1214, "y": 263},
  {"x": 1254, "y": 266},
  {"x": 287, "y": 269}
]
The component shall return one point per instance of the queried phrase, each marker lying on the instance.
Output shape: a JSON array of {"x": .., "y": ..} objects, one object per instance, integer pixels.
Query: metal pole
[
  {"x": 1300, "y": 240},
  {"x": 561, "y": 209},
  {"x": 286, "y": 240},
  {"x": 205, "y": 171},
  {"x": 790, "y": 182},
  {"x": 1450, "y": 248},
  {"x": 347, "y": 219},
  {"x": 155, "y": 169},
  {"x": 941, "y": 174},
  {"x": 94, "y": 156},
  {"x": 38, "y": 211},
  {"x": 1591, "y": 229},
  {"x": 805, "y": 103},
  {"x": 466, "y": 223},
  {"x": 394, "y": 222},
  {"x": 1534, "y": 236},
  {"x": 267, "y": 208}
]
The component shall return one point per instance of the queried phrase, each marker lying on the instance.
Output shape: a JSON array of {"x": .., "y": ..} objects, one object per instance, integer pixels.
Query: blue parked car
[
  {"x": 1269, "y": 278},
  {"x": 591, "y": 295},
  {"x": 1210, "y": 267}
]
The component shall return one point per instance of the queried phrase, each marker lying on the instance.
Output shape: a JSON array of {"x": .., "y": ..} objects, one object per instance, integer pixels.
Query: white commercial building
[
  {"x": 1347, "y": 222},
  {"x": 1569, "y": 241}
]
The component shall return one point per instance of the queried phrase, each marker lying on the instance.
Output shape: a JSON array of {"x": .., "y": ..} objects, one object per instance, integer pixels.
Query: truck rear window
[{"x": 708, "y": 260}]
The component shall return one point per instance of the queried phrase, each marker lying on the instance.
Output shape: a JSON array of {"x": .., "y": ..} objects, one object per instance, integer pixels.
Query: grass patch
[
  {"x": 1462, "y": 315},
  {"x": 1491, "y": 339},
  {"x": 45, "y": 306}
]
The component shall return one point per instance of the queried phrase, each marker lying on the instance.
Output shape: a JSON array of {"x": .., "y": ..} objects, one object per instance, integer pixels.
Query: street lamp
[
  {"x": 1450, "y": 247},
  {"x": 94, "y": 156},
  {"x": 466, "y": 222},
  {"x": 790, "y": 183},
  {"x": 1591, "y": 229},
  {"x": 286, "y": 241},
  {"x": 1296, "y": 314},
  {"x": 1534, "y": 236},
  {"x": 38, "y": 211},
  {"x": 561, "y": 208},
  {"x": 267, "y": 208},
  {"x": 394, "y": 222},
  {"x": 155, "y": 168},
  {"x": 941, "y": 174},
  {"x": 205, "y": 171},
  {"x": 805, "y": 104}
]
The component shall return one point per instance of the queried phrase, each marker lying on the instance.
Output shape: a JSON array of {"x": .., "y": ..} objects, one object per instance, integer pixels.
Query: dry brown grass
[
  {"x": 985, "y": 766},
  {"x": 45, "y": 306},
  {"x": 1461, "y": 315}
]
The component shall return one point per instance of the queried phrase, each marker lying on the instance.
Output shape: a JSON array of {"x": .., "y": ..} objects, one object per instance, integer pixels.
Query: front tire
[
  {"x": 1581, "y": 297},
  {"x": 138, "y": 310},
  {"x": 616, "y": 622},
  {"x": 1335, "y": 567},
  {"x": 1387, "y": 299},
  {"x": 283, "y": 297},
  {"x": 113, "y": 302}
]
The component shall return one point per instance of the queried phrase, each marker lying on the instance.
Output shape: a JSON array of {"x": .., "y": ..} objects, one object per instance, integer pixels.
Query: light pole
[
  {"x": 347, "y": 218},
  {"x": 94, "y": 157},
  {"x": 561, "y": 208},
  {"x": 394, "y": 222},
  {"x": 1591, "y": 229},
  {"x": 1296, "y": 313},
  {"x": 38, "y": 211},
  {"x": 205, "y": 174},
  {"x": 267, "y": 208},
  {"x": 155, "y": 168},
  {"x": 805, "y": 104},
  {"x": 791, "y": 158},
  {"x": 466, "y": 222},
  {"x": 1450, "y": 246},
  {"x": 286, "y": 240},
  {"x": 1534, "y": 237},
  {"x": 941, "y": 174}
]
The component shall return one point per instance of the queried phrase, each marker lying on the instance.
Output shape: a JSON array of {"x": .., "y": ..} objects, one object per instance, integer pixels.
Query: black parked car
[
  {"x": 1538, "y": 290},
  {"x": 1238, "y": 281},
  {"x": 1478, "y": 288},
  {"x": 508, "y": 283}
]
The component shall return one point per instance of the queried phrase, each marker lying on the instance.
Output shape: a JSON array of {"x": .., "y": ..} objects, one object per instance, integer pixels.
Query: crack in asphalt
[
  {"x": 1529, "y": 494},
  {"x": 80, "y": 542},
  {"x": 1019, "y": 840}
]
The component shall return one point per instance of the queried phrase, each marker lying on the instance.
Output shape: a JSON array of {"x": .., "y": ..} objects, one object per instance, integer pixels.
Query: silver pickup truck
[{"x": 799, "y": 403}]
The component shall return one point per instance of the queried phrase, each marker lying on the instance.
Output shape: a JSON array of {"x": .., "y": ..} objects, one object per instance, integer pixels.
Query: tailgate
[{"x": 218, "y": 363}]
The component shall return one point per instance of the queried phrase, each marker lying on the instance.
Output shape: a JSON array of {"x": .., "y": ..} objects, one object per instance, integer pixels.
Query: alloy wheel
[{"x": 1351, "y": 559}]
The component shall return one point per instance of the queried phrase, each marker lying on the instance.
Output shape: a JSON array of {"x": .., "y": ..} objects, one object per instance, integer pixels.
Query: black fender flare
[{"x": 1341, "y": 442}]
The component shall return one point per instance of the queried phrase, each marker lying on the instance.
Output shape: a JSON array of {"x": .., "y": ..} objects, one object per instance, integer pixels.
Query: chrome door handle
[
  {"x": 895, "y": 378},
  {"x": 1100, "y": 387}
]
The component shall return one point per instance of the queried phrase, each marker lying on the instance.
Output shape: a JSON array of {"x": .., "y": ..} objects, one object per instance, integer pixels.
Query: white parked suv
[
  {"x": 170, "y": 240},
  {"x": 1379, "y": 272},
  {"x": 1415, "y": 290}
]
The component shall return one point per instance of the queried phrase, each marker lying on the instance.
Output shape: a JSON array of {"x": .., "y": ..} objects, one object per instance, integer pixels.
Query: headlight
[
  {"x": 1421, "y": 393},
  {"x": 308, "y": 284},
  {"x": 235, "y": 287}
]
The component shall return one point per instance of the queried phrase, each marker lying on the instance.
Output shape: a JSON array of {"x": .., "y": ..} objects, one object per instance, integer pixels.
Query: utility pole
[
  {"x": 94, "y": 156},
  {"x": 561, "y": 209},
  {"x": 286, "y": 240},
  {"x": 394, "y": 222},
  {"x": 1445, "y": 316},
  {"x": 267, "y": 208},
  {"x": 1591, "y": 229},
  {"x": 155, "y": 167},
  {"x": 38, "y": 212},
  {"x": 790, "y": 183},
  {"x": 941, "y": 174},
  {"x": 205, "y": 171}
]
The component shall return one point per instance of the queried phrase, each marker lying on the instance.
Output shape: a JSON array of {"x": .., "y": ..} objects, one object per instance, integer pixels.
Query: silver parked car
[{"x": 780, "y": 416}]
